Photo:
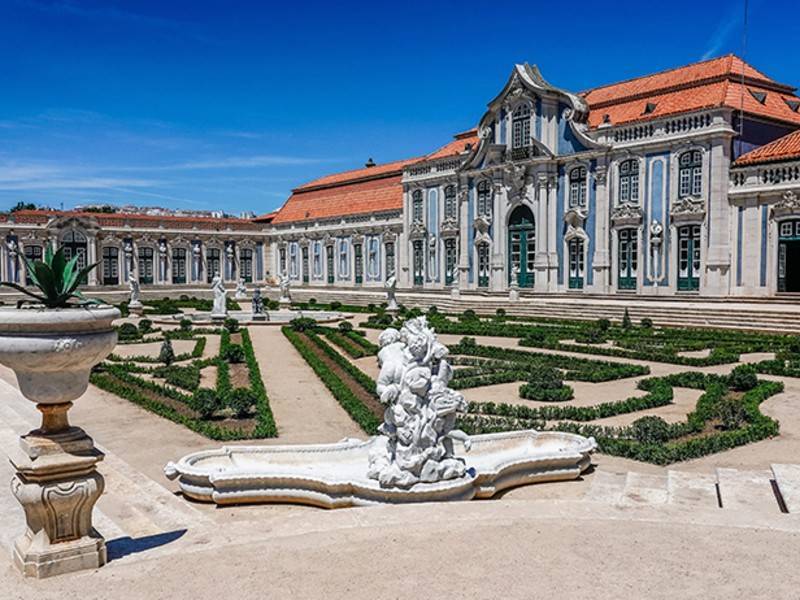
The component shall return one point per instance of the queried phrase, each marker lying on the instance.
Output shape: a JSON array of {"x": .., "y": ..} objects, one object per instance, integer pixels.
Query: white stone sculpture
[
  {"x": 513, "y": 291},
  {"x": 391, "y": 299},
  {"x": 220, "y": 308},
  {"x": 241, "y": 290},
  {"x": 134, "y": 303},
  {"x": 13, "y": 250},
  {"x": 455, "y": 291},
  {"x": 416, "y": 442},
  {"x": 285, "y": 298}
]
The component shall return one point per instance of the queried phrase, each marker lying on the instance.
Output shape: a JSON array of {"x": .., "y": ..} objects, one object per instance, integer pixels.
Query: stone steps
[
  {"x": 729, "y": 489},
  {"x": 133, "y": 507},
  {"x": 747, "y": 490},
  {"x": 787, "y": 479}
]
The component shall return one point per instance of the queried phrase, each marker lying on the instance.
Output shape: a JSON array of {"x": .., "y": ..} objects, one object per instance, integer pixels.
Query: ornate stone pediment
[
  {"x": 417, "y": 231},
  {"x": 789, "y": 204},
  {"x": 626, "y": 215},
  {"x": 516, "y": 182},
  {"x": 449, "y": 228},
  {"x": 575, "y": 217},
  {"x": 688, "y": 210}
]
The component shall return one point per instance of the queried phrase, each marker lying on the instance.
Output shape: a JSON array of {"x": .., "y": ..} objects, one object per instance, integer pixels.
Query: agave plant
[{"x": 56, "y": 278}]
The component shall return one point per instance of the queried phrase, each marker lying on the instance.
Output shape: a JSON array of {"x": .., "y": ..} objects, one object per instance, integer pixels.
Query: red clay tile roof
[
  {"x": 36, "y": 217},
  {"x": 461, "y": 143},
  {"x": 358, "y": 174},
  {"x": 785, "y": 148},
  {"x": 265, "y": 218},
  {"x": 707, "y": 84},
  {"x": 378, "y": 194}
]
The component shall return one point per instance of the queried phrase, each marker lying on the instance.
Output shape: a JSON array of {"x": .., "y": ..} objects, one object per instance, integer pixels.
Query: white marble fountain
[{"x": 418, "y": 455}]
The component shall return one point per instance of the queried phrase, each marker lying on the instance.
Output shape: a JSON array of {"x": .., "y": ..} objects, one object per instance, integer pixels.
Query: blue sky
[{"x": 228, "y": 105}]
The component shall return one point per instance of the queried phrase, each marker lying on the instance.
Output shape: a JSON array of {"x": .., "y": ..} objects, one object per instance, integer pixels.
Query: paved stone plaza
[{"x": 625, "y": 528}]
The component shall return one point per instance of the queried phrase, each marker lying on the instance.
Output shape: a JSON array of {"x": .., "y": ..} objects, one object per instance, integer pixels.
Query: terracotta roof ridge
[
  {"x": 366, "y": 176},
  {"x": 661, "y": 72}
]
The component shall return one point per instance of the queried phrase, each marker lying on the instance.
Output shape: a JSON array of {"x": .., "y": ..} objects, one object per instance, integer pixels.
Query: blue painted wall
[
  {"x": 591, "y": 219},
  {"x": 562, "y": 228},
  {"x": 567, "y": 142},
  {"x": 470, "y": 230}
]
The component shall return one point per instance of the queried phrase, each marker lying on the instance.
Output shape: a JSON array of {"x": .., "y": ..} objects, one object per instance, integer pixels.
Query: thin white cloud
[
  {"x": 722, "y": 34},
  {"x": 73, "y": 183}
]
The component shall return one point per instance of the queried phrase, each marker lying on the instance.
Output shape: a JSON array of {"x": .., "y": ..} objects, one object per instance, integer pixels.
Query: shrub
[
  {"x": 545, "y": 377},
  {"x": 167, "y": 354},
  {"x": 183, "y": 298},
  {"x": 647, "y": 323},
  {"x": 468, "y": 315},
  {"x": 206, "y": 402},
  {"x": 145, "y": 326},
  {"x": 731, "y": 413},
  {"x": 500, "y": 312},
  {"x": 650, "y": 430},
  {"x": 303, "y": 324},
  {"x": 233, "y": 353},
  {"x": 185, "y": 325},
  {"x": 312, "y": 300},
  {"x": 231, "y": 324},
  {"x": 743, "y": 378},
  {"x": 590, "y": 336},
  {"x": 433, "y": 310},
  {"x": 345, "y": 326},
  {"x": 240, "y": 401},
  {"x": 603, "y": 324},
  {"x": 128, "y": 331},
  {"x": 626, "y": 320},
  {"x": 336, "y": 305},
  {"x": 371, "y": 307}
]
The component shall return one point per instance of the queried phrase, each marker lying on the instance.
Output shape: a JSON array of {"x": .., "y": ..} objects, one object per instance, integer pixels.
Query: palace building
[{"x": 685, "y": 182}]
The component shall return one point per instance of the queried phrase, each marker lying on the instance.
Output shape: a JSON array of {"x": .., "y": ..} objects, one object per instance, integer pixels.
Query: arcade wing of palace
[{"x": 686, "y": 181}]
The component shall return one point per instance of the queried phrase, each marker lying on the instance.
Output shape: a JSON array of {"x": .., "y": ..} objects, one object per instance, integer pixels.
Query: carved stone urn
[{"x": 52, "y": 352}]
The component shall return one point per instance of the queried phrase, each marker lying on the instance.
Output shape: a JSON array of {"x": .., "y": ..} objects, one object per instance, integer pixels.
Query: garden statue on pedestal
[
  {"x": 455, "y": 291},
  {"x": 134, "y": 304},
  {"x": 513, "y": 291},
  {"x": 391, "y": 300},
  {"x": 285, "y": 299},
  {"x": 257, "y": 304},
  {"x": 241, "y": 290},
  {"x": 220, "y": 308},
  {"x": 416, "y": 441}
]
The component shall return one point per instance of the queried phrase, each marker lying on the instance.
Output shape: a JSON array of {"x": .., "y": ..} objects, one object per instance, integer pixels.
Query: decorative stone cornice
[
  {"x": 626, "y": 215},
  {"x": 417, "y": 231},
  {"x": 449, "y": 228},
  {"x": 688, "y": 210},
  {"x": 789, "y": 204},
  {"x": 575, "y": 217}
]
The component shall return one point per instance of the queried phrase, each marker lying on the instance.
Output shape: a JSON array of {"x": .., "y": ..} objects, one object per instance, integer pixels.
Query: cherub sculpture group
[{"x": 416, "y": 444}]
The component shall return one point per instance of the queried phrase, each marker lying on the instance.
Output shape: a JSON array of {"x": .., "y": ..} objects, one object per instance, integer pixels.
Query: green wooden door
[
  {"x": 521, "y": 246},
  {"x": 689, "y": 258},
  {"x": 576, "y": 264},
  {"x": 358, "y": 253},
  {"x": 628, "y": 246}
]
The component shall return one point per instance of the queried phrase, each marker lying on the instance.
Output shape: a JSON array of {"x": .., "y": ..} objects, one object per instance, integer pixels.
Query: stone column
[
  {"x": 498, "y": 280},
  {"x": 601, "y": 260},
  {"x": 718, "y": 213},
  {"x": 91, "y": 257},
  {"x": 463, "y": 239},
  {"x": 553, "y": 223},
  {"x": 542, "y": 260}
]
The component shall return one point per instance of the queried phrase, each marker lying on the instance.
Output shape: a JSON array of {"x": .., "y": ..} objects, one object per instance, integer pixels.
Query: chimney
[{"x": 370, "y": 163}]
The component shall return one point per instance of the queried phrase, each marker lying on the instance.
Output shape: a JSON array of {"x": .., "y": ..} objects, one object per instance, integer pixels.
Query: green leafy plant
[
  {"x": 167, "y": 354},
  {"x": 240, "y": 401},
  {"x": 56, "y": 278},
  {"x": 185, "y": 325},
  {"x": 233, "y": 353}
]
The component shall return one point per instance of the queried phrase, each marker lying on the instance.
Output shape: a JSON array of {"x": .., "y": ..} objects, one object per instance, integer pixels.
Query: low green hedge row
[
  {"x": 531, "y": 391},
  {"x": 345, "y": 343},
  {"x": 364, "y": 380},
  {"x": 362, "y": 415},
  {"x": 265, "y": 420},
  {"x": 576, "y": 369}
]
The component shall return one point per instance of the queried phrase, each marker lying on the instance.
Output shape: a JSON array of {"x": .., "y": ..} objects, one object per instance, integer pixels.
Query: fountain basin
[{"x": 334, "y": 475}]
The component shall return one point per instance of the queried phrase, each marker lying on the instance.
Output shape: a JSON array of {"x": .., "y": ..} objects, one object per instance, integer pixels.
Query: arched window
[
  {"x": 521, "y": 127},
  {"x": 629, "y": 181},
  {"x": 577, "y": 187},
  {"x": 450, "y": 202},
  {"x": 416, "y": 206},
  {"x": 344, "y": 260},
  {"x": 484, "y": 199},
  {"x": 690, "y": 174}
]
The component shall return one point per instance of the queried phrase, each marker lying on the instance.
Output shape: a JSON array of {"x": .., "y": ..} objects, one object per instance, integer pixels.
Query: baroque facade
[{"x": 682, "y": 182}]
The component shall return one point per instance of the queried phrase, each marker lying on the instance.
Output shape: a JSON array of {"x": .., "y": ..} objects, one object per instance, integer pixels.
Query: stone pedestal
[
  {"x": 455, "y": 293},
  {"x": 259, "y": 317},
  {"x": 57, "y": 484},
  {"x": 284, "y": 303},
  {"x": 136, "y": 308},
  {"x": 513, "y": 294}
]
